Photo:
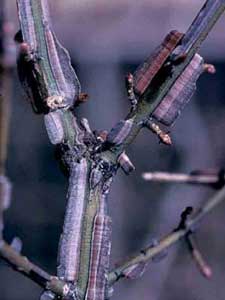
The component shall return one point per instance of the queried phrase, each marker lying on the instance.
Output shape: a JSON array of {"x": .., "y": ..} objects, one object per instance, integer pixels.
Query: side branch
[
  {"x": 212, "y": 178},
  {"x": 149, "y": 253},
  {"x": 24, "y": 266},
  {"x": 165, "y": 82}
]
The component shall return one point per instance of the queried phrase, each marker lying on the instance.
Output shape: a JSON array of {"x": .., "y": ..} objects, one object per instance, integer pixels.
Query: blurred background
[{"x": 106, "y": 39}]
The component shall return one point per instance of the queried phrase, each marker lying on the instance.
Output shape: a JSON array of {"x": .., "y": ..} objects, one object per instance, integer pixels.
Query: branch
[
  {"x": 174, "y": 65},
  {"x": 149, "y": 253},
  {"x": 54, "y": 90},
  {"x": 22, "y": 265},
  {"x": 89, "y": 161},
  {"x": 212, "y": 178}
]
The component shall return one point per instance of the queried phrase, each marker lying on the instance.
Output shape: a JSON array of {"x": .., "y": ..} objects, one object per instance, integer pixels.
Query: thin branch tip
[
  {"x": 188, "y": 223},
  {"x": 200, "y": 262},
  {"x": 215, "y": 178}
]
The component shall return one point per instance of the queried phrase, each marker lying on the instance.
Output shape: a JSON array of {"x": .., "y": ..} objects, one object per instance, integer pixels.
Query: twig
[
  {"x": 198, "y": 257},
  {"x": 152, "y": 98},
  {"x": 149, "y": 253},
  {"x": 24, "y": 266},
  {"x": 213, "y": 179}
]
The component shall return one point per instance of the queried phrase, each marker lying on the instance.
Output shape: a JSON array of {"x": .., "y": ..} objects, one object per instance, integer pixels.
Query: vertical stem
[{"x": 86, "y": 239}]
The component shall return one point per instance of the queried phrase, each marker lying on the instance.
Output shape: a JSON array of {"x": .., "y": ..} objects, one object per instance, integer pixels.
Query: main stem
[{"x": 86, "y": 239}]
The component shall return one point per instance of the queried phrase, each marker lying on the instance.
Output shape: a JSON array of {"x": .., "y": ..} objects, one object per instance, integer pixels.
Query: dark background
[{"x": 106, "y": 39}]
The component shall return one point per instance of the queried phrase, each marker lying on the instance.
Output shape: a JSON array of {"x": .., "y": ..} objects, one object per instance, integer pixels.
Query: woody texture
[{"x": 157, "y": 91}]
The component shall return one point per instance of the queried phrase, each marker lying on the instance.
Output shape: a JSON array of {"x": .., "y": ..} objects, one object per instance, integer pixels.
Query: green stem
[{"x": 170, "y": 239}]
